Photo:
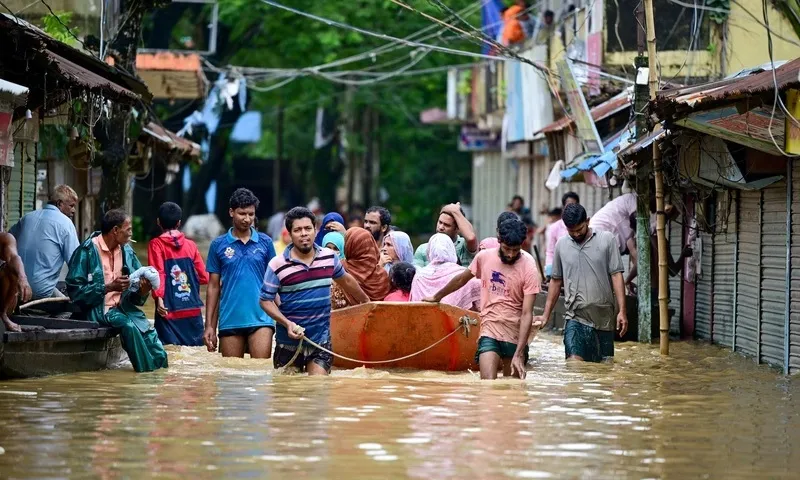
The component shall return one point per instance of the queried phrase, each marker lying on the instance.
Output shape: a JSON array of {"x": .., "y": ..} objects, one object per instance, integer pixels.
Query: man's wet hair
[
  {"x": 296, "y": 214},
  {"x": 169, "y": 215},
  {"x": 113, "y": 218},
  {"x": 243, "y": 198},
  {"x": 574, "y": 214},
  {"x": 383, "y": 213},
  {"x": 512, "y": 232},
  {"x": 556, "y": 212},
  {"x": 549, "y": 13},
  {"x": 401, "y": 275},
  {"x": 505, "y": 216},
  {"x": 569, "y": 195}
]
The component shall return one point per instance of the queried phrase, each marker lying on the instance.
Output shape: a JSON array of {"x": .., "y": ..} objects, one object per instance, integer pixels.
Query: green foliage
[
  {"x": 420, "y": 165},
  {"x": 54, "y": 28},
  {"x": 717, "y": 16}
]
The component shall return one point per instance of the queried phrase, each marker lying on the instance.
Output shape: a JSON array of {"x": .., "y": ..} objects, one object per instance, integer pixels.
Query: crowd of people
[{"x": 263, "y": 289}]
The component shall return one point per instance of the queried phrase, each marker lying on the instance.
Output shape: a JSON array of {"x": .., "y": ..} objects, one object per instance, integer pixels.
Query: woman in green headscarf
[{"x": 334, "y": 241}]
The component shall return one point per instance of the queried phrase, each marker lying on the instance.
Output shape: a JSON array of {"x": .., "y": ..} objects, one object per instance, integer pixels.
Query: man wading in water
[
  {"x": 588, "y": 263},
  {"x": 302, "y": 277},
  {"x": 509, "y": 283},
  {"x": 236, "y": 264}
]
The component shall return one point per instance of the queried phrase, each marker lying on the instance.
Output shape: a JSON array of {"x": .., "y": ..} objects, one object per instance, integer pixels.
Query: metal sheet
[
  {"x": 794, "y": 304},
  {"x": 749, "y": 262},
  {"x": 703, "y": 295},
  {"x": 724, "y": 271},
  {"x": 675, "y": 283},
  {"x": 22, "y": 180},
  {"x": 773, "y": 274},
  {"x": 494, "y": 182}
]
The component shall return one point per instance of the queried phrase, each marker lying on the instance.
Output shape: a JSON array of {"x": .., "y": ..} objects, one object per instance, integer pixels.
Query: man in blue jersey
[{"x": 236, "y": 264}]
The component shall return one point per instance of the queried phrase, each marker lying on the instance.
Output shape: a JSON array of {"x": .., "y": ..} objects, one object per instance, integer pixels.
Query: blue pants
[{"x": 180, "y": 331}]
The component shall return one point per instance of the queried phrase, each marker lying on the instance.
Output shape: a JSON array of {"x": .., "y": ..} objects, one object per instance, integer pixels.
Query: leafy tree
[{"x": 420, "y": 167}]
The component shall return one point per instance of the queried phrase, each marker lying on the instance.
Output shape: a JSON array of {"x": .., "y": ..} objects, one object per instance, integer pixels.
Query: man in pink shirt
[
  {"x": 509, "y": 283},
  {"x": 557, "y": 230}
]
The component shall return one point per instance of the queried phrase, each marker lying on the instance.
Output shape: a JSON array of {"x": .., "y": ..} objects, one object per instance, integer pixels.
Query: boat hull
[
  {"x": 58, "y": 346},
  {"x": 390, "y": 330}
]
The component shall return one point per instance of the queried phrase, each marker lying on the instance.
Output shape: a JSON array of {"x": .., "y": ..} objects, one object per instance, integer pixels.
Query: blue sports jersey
[{"x": 241, "y": 268}]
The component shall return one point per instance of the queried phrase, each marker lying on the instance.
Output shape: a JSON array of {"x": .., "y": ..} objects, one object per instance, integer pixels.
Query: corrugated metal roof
[
  {"x": 18, "y": 93},
  {"x": 600, "y": 112},
  {"x": 78, "y": 75},
  {"x": 657, "y": 134},
  {"x": 729, "y": 89},
  {"x": 181, "y": 144},
  {"x": 72, "y": 65},
  {"x": 176, "y": 62}
]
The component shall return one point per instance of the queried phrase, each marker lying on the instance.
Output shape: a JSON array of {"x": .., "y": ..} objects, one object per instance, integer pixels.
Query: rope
[{"x": 463, "y": 324}]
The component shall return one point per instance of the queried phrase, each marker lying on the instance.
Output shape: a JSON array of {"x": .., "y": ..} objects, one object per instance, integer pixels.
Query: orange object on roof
[
  {"x": 176, "y": 62},
  {"x": 389, "y": 330}
]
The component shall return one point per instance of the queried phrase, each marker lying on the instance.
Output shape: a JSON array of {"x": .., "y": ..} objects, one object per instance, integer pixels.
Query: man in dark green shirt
[{"x": 454, "y": 224}]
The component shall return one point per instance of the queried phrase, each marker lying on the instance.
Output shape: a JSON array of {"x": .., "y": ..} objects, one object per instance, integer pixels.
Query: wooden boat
[
  {"x": 49, "y": 346},
  {"x": 390, "y": 330}
]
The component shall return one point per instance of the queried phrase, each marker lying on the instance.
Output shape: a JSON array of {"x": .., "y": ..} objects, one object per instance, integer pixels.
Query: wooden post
[{"x": 663, "y": 266}]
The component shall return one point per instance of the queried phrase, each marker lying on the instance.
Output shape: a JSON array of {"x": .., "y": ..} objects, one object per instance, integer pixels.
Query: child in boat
[
  {"x": 182, "y": 271},
  {"x": 401, "y": 275}
]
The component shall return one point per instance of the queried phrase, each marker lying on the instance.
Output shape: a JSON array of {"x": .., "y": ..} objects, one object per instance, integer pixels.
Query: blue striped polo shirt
[
  {"x": 305, "y": 292},
  {"x": 241, "y": 268}
]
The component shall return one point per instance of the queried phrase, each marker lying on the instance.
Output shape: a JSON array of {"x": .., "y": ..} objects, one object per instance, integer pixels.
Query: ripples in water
[{"x": 702, "y": 412}]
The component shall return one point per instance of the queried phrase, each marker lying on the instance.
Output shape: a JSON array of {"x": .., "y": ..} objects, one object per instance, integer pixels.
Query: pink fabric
[
  {"x": 503, "y": 288},
  {"x": 397, "y": 296},
  {"x": 614, "y": 218},
  {"x": 487, "y": 243},
  {"x": 555, "y": 231},
  {"x": 442, "y": 268}
]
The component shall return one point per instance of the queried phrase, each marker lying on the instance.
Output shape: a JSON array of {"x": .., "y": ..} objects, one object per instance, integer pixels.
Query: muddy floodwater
[{"x": 701, "y": 413}]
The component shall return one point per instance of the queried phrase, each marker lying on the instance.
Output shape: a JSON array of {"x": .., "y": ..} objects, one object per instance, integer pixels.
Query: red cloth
[{"x": 173, "y": 245}]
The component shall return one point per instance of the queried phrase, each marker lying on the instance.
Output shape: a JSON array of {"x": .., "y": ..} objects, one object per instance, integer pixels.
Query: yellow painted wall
[
  {"x": 746, "y": 46},
  {"x": 747, "y": 39}
]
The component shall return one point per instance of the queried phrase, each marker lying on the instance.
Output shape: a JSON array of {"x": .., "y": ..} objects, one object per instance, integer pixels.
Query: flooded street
[{"x": 702, "y": 413}]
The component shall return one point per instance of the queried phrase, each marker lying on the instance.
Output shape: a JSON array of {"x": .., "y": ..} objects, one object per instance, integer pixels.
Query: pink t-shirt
[
  {"x": 555, "y": 231},
  {"x": 397, "y": 296},
  {"x": 503, "y": 288},
  {"x": 614, "y": 218}
]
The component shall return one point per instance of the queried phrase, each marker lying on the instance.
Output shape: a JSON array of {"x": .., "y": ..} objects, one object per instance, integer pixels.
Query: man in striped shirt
[{"x": 302, "y": 277}]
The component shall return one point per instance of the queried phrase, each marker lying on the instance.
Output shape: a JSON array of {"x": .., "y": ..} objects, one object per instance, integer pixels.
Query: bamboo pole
[{"x": 663, "y": 266}]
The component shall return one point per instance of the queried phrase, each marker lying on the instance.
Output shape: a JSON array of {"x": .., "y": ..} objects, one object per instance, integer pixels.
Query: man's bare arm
[
  {"x": 619, "y": 291},
  {"x": 212, "y": 302},
  {"x": 454, "y": 284},
  {"x": 465, "y": 228},
  {"x": 554, "y": 290},
  {"x": 352, "y": 288}
]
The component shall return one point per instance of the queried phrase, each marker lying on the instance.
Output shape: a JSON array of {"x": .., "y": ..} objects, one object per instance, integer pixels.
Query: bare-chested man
[{"x": 13, "y": 281}]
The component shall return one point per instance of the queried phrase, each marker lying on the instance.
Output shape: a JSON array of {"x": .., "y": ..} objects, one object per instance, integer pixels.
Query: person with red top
[{"x": 179, "y": 320}]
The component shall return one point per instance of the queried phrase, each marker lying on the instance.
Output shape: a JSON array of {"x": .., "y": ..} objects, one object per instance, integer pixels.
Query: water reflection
[{"x": 701, "y": 412}]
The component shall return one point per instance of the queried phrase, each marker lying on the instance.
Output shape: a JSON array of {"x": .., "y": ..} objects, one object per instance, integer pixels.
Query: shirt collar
[
  {"x": 102, "y": 243},
  {"x": 253, "y": 235},
  {"x": 52, "y": 207},
  {"x": 288, "y": 257}
]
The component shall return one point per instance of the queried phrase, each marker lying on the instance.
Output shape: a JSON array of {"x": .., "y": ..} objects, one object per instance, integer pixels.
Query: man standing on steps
[
  {"x": 509, "y": 284},
  {"x": 588, "y": 264},
  {"x": 236, "y": 264},
  {"x": 302, "y": 276}
]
